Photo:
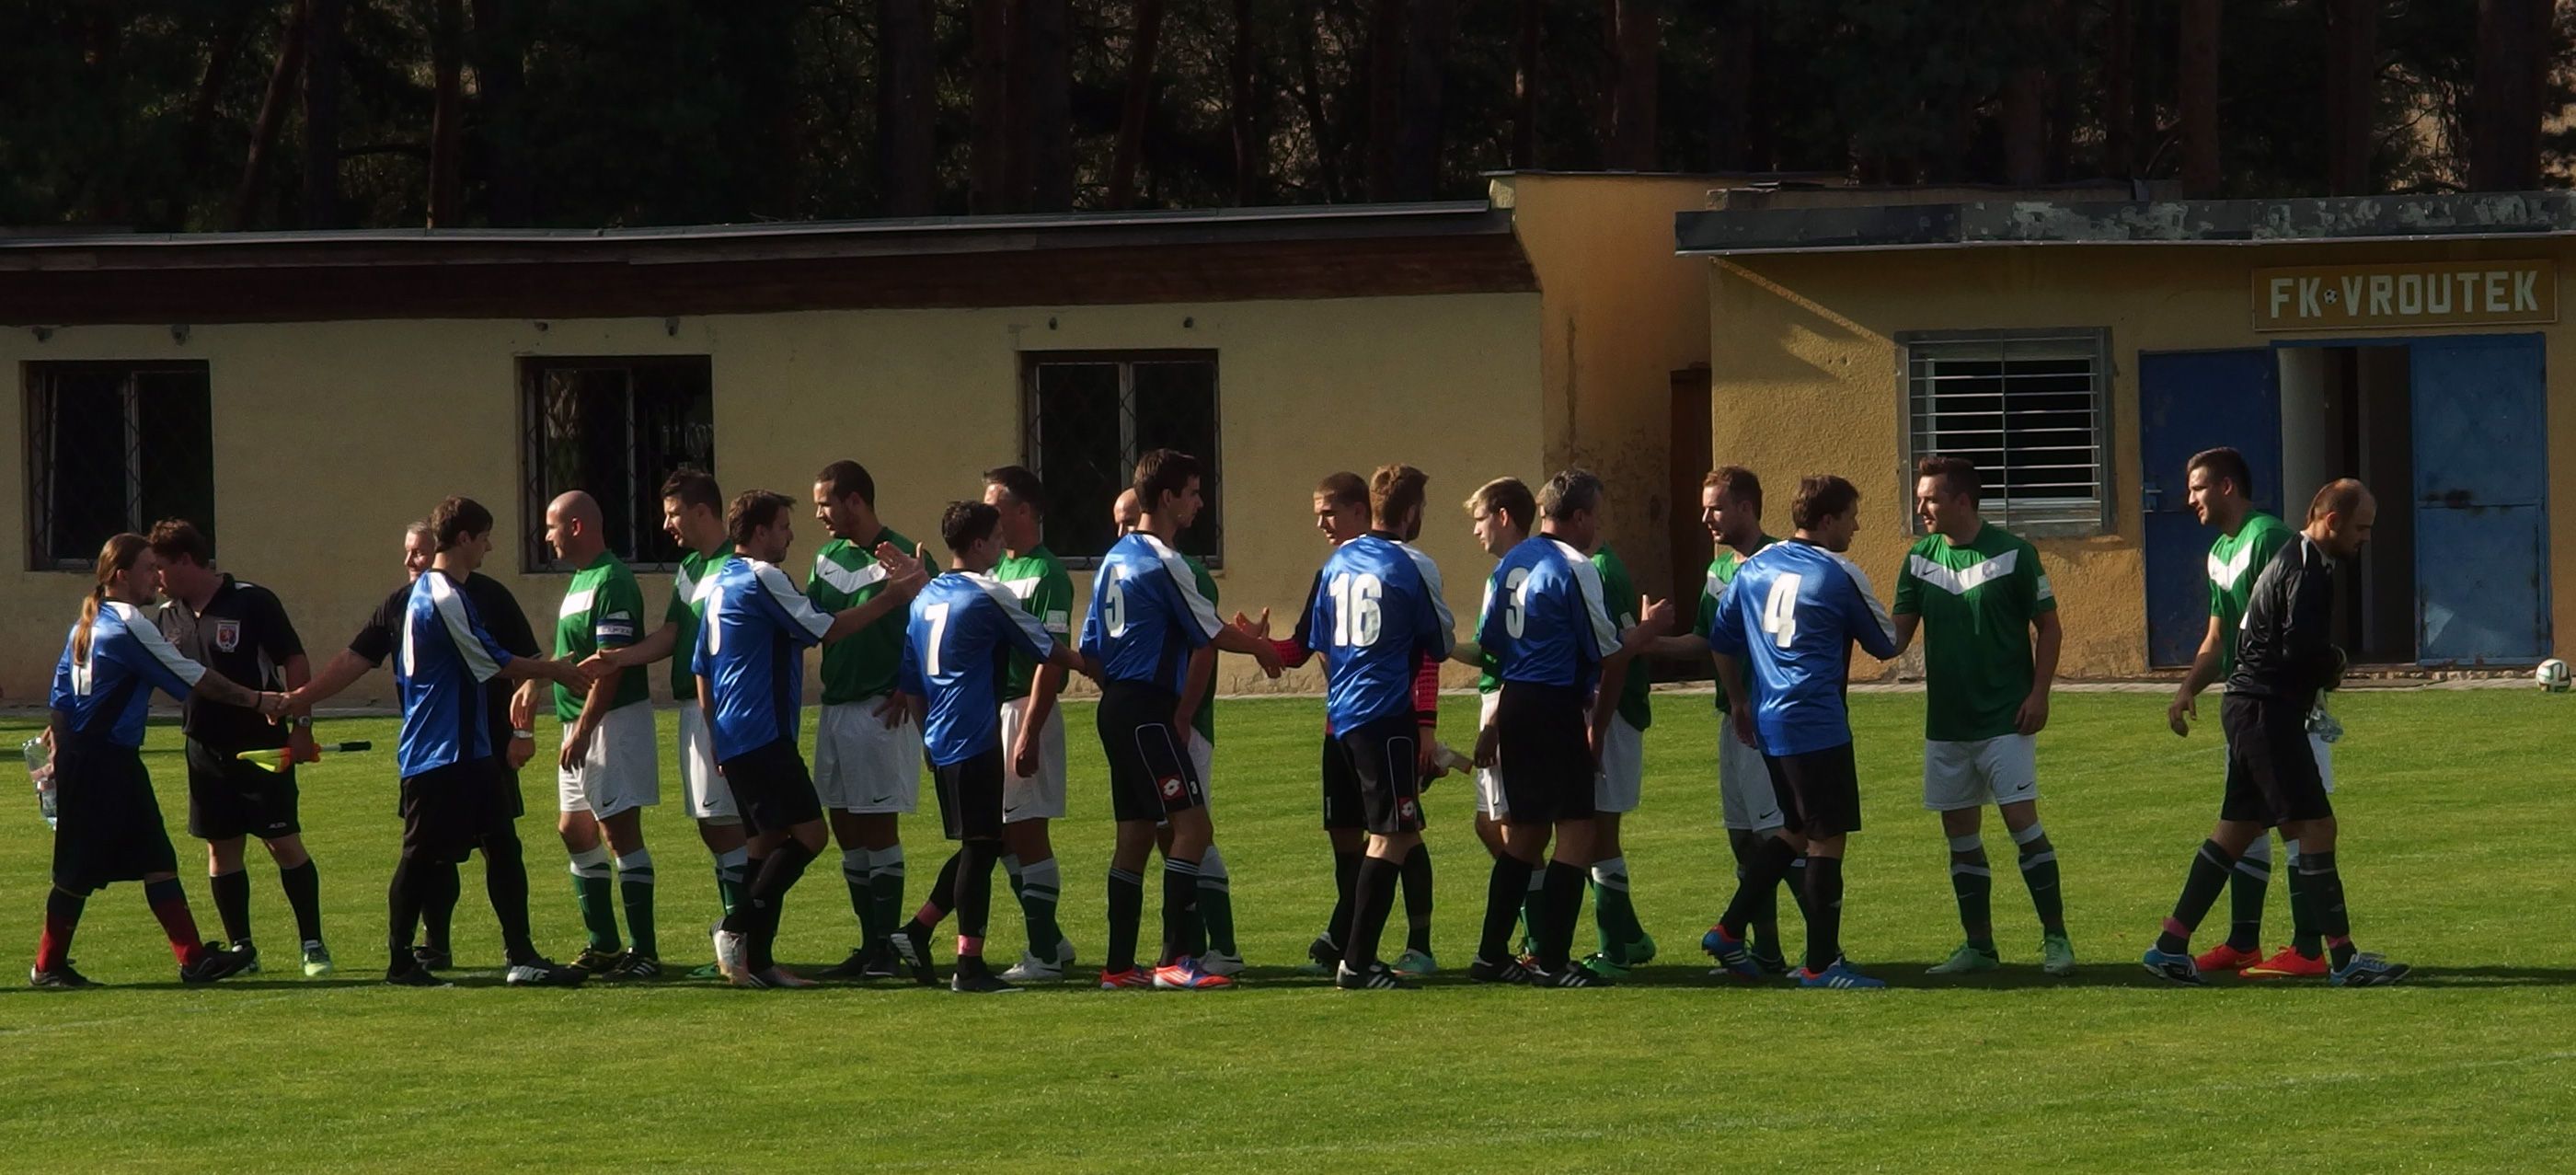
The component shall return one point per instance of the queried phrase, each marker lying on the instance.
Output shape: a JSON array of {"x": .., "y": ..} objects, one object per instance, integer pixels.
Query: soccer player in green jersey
[
  {"x": 1032, "y": 723},
  {"x": 693, "y": 515},
  {"x": 1621, "y": 711},
  {"x": 2221, "y": 485},
  {"x": 867, "y": 743},
  {"x": 1991, "y": 636},
  {"x": 607, "y": 772}
]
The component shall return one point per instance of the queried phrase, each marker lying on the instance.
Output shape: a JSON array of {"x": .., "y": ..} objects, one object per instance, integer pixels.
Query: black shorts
[
  {"x": 228, "y": 798},
  {"x": 771, "y": 788},
  {"x": 107, "y": 822},
  {"x": 1544, "y": 756},
  {"x": 1150, "y": 776},
  {"x": 1383, "y": 756},
  {"x": 449, "y": 811},
  {"x": 2272, "y": 776},
  {"x": 1819, "y": 791},
  {"x": 970, "y": 796},
  {"x": 1342, "y": 807}
]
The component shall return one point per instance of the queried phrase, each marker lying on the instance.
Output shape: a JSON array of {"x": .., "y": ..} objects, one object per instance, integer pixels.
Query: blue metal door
[
  {"x": 2481, "y": 513},
  {"x": 2189, "y": 401}
]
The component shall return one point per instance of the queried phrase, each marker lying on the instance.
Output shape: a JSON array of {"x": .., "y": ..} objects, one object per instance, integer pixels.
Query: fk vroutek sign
[{"x": 2433, "y": 293}]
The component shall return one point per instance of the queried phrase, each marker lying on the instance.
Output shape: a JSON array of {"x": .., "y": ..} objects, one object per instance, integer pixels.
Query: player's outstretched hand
[
  {"x": 2179, "y": 714},
  {"x": 575, "y": 675},
  {"x": 1267, "y": 656},
  {"x": 1257, "y": 628},
  {"x": 605, "y": 661},
  {"x": 1655, "y": 616},
  {"x": 905, "y": 571}
]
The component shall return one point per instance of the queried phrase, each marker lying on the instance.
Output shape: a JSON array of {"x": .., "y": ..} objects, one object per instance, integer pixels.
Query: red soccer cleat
[
  {"x": 2288, "y": 964},
  {"x": 2225, "y": 958},
  {"x": 1132, "y": 977}
]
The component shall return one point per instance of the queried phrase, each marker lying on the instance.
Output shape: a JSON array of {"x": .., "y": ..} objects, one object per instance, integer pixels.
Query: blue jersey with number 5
[
  {"x": 1147, "y": 615},
  {"x": 1377, "y": 609},
  {"x": 963, "y": 630},
  {"x": 1790, "y": 618},
  {"x": 1546, "y": 622}
]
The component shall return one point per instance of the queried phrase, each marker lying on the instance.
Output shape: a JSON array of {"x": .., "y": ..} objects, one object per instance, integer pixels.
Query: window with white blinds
[{"x": 2032, "y": 410}]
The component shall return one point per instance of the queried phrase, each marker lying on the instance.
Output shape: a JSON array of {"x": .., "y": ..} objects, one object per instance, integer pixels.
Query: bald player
[{"x": 607, "y": 772}]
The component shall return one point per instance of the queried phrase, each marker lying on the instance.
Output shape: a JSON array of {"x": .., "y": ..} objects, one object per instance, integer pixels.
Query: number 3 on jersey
[
  {"x": 1516, "y": 602},
  {"x": 1780, "y": 610}
]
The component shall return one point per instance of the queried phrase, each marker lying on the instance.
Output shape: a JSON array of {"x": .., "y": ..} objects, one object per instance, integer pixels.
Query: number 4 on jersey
[{"x": 1780, "y": 610}]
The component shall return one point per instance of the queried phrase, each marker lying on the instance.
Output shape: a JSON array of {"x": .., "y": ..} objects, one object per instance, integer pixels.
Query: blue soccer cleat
[
  {"x": 1728, "y": 950},
  {"x": 1841, "y": 975},
  {"x": 2176, "y": 966}
]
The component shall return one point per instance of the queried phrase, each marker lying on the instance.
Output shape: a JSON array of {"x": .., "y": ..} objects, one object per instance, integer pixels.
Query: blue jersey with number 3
[
  {"x": 1147, "y": 615},
  {"x": 1377, "y": 610},
  {"x": 1546, "y": 622},
  {"x": 1790, "y": 618},
  {"x": 956, "y": 648}
]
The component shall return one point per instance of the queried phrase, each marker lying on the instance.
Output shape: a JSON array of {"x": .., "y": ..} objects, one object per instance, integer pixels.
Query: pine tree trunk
[
  {"x": 1417, "y": 171},
  {"x": 1143, "y": 43},
  {"x": 988, "y": 173},
  {"x": 498, "y": 52},
  {"x": 324, "y": 28},
  {"x": 1244, "y": 105},
  {"x": 1047, "y": 108},
  {"x": 2025, "y": 101},
  {"x": 272, "y": 111},
  {"x": 446, "y": 114},
  {"x": 2352, "y": 90},
  {"x": 2506, "y": 97},
  {"x": 1385, "y": 94},
  {"x": 1633, "y": 97},
  {"x": 2120, "y": 90},
  {"x": 1525, "y": 59},
  {"x": 907, "y": 106},
  {"x": 221, "y": 56},
  {"x": 2196, "y": 83}
]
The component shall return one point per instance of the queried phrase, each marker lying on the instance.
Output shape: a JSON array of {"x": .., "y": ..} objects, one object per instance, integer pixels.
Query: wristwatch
[
  {"x": 304, "y": 723},
  {"x": 524, "y": 735}
]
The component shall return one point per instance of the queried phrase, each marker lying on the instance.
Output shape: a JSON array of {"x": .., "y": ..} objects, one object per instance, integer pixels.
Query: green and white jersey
[
  {"x": 1977, "y": 601},
  {"x": 1486, "y": 682},
  {"x": 846, "y": 575},
  {"x": 1621, "y": 594},
  {"x": 1038, "y": 581},
  {"x": 603, "y": 608},
  {"x": 2235, "y": 562},
  {"x": 1204, "y": 721},
  {"x": 687, "y": 607},
  {"x": 1721, "y": 572}
]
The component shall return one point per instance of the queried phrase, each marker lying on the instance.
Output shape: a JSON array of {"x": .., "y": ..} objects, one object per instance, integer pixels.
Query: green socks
[
  {"x": 597, "y": 898},
  {"x": 635, "y": 890}
]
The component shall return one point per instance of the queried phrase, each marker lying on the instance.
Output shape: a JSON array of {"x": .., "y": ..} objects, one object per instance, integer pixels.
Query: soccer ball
[{"x": 2552, "y": 675}]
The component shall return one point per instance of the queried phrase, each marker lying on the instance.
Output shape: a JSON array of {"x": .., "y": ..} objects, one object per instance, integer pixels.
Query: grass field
[{"x": 2457, "y": 807}]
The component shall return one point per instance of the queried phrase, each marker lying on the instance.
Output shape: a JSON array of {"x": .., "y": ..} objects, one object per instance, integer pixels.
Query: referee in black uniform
[
  {"x": 240, "y": 631},
  {"x": 2285, "y": 658}
]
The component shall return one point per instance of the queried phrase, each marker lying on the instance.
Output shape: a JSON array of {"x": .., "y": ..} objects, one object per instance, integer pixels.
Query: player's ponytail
[{"x": 115, "y": 558}]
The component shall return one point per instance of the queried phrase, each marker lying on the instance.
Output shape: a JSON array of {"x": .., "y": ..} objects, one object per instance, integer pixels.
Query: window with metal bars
[
  {"x": 1087, "y": 415},
  {"x": 2032, "y": 409},
  {"x": 114, "y": 447},
  {"x": 615, "y": 427}
]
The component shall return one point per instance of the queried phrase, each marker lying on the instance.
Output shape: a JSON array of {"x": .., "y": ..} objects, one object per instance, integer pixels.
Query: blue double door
[{"x": 2477, "y": 494}]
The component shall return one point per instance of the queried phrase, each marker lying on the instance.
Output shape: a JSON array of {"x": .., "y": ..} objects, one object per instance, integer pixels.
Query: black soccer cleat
[
  {"x": 1508, "y": 971},
  {"x": 854, "y": 967},
  {"x": 912, "y": 945},
  {"x": 1323, "y": 957},
  {"x": 1377, "y": 977},
  {"x": 414, "y": 976},
  {"x": 213, "y": 964},
  {"x": 433, "y": 959},
  {"x": 61, "y": 978},
  {"x": 981, "y": 982},
  {"x": 1569, "y": 975},
  {"x": 538, "y": 971}
]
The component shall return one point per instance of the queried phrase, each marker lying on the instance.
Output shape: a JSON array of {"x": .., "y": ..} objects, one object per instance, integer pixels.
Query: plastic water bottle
[
  {"x": 2325, "y": 726},
  {"x": 40, "y": 769}
]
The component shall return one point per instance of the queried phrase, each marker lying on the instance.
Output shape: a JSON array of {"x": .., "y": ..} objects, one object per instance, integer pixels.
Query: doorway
[{"x": 2347, "y": 411}]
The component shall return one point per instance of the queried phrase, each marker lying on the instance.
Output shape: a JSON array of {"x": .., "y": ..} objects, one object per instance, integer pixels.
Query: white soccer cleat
[
  {"x": 729, "y": 956},
  {"x": 1221, "y": 963},
  {"x": 1032, "y": 969}
]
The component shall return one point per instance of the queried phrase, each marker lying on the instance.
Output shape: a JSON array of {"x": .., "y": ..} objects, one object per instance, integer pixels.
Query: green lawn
[{"x": 2455, "y": 859}]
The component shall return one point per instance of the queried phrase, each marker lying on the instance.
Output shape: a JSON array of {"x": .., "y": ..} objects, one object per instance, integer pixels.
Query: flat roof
[
  {"x": 1975, "y": 224},
  {"x": 1084, "y": 258}
]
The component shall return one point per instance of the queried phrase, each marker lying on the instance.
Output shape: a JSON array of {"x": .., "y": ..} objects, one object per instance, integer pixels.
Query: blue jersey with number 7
[
  {"x": 1790, "y": 618},
  {"x": 956, "y": 647}
]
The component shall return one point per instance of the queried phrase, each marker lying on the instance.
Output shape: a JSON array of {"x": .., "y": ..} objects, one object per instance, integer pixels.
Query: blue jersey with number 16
[
  {"x": 964, "y": 628},
  {"x": 1790, "y": 618},
  {"x": 1545, "y": 621},
  {"x": 1147, "y": 615},
  {"x": 1377, "y": 609}
]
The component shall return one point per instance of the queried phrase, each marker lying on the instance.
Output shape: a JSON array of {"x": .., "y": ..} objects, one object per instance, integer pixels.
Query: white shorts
[
  {"x": 1623, "y": 768},
  {"x": 1039, "y": 796},
  {"x": 709, "y": 798},
  {"x": 2325, "y": 761},
  {"x": 1202, "y": 758},
  {"x": 1744, "y": 786},
  {"x": 623, "y": 771},
  {"x": 1489, "y": 783},
  {"x": 863, "y": 766},
  {"x": 1999, "y": 770}
]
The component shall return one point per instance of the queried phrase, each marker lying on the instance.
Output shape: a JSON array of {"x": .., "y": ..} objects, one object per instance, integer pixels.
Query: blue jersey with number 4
[
  {"x": 1545, "y": 621},
  {"x": 1790, "y": 618},
  {"x": 1147, "y": 615},
  {"x": 1377, "y": 611},
  {"x": 956, "y": 649}
]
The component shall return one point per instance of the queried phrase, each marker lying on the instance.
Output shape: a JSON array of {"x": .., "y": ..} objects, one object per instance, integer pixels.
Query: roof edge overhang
[{"x": 2032, "y": 222}]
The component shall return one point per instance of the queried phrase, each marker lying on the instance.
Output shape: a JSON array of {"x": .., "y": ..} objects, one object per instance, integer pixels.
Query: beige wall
[
  {"x": 1806, "y": 381},
  {"x": 1622, "y": 313},
  {"x": 330, "y": 436}
]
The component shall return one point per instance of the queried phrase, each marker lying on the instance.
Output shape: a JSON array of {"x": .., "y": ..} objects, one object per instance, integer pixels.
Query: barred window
[
  {"x": 114, "y": 447},
  {"x": 615, "y": 427},
  {"x": 1087, "y": 415},
  {"x": 2030, "y": 408}
]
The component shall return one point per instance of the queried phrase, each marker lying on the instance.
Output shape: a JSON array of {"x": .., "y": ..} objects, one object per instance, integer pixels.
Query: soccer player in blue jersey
[
  {"x": 1549, "y": 631},
  {"x": 1147, "y": 617},
  {"x": 750, "y": 666},
  {"x": 108, "y": 822},
  {"x": 453, "y": 789},
  {"x": 1793, "y": 613},
  {"x": 1377, "y": 619},
  {"x": 965, "y": 626}
]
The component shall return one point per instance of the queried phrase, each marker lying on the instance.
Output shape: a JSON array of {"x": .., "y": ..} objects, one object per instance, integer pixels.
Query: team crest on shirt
[
  {"x": 227, "y": 635},
  {"x": 1406, "y": 809},
  {"x": 1171, "y": 787}
]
